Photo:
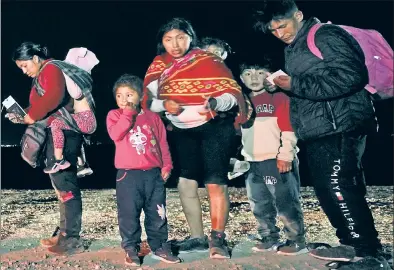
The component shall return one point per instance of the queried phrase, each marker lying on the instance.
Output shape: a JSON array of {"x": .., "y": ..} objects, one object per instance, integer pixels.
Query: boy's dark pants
[
  {"x": 138, "y": 190},
  {"x": 273, "y": 194},
  {"x": 334, "y": 164},
  {"x": 66, "y": 184}
]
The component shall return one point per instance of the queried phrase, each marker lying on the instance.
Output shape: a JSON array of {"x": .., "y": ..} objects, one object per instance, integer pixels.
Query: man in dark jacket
[{"x": 332, "y": 113}]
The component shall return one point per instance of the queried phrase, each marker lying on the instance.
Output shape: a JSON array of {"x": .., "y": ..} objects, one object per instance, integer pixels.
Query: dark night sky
[{"x": 123, "y": 36}]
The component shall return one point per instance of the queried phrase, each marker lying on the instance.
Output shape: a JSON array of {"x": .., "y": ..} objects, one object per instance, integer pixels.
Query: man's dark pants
[{"x": 334, "y": 164}]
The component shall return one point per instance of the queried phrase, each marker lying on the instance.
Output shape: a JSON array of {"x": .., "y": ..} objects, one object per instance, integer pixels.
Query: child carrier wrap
[{"x": 34, "y": 138}]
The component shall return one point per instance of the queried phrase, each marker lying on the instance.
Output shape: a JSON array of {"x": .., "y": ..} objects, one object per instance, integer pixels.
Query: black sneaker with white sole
[
  {"x": 190, "y": 245},
  {"x": 365, "y": 263},
  {"x": 292, "y": 248},
  {"x": 342, "y": 253},
  {"x": 58, "y": 165},
  {"x": 164, "y": 254},
  {"x": 265, "y": 244},
  {"x": 84, "y": 170}
]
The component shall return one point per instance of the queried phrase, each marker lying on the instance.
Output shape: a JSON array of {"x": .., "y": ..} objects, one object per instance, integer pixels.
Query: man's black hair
[{"x": 271, "y": 10}]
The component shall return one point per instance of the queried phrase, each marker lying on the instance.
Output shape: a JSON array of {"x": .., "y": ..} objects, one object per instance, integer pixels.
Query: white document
[
  {"x": 13, "y": 107},
  {"x": 271, "y": 77}
]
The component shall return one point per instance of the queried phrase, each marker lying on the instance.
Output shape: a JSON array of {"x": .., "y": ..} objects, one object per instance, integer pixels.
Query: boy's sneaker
[
  {"x": 366, "y": 263},
  {"x": 194, "y": 245},
  {"x": 217, "y": 246},
  {"x": 164, "y": 254},
  {"x": 57, "y": 166},
  {"x": 237, "y": 168},
  {"x": 83, "y": 170},
  {"x": 291, "y": 248},
  {"x": 340, "y": 253},
  {"x": 132, "y": 258},
  {"x": 67, "y": 246},
  {"x": 266, "y": 244}
]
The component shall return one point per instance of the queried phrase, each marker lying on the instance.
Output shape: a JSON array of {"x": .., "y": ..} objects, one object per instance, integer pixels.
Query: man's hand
[
  {"x": 172, "y": 107},
  {"x": 165, "y": 175},
  {"x": 14, "y": 118},
  {"x": 27, "y": 120},
  {"x": 283, "y": 82},
  {"x": 284, "y": 166}
]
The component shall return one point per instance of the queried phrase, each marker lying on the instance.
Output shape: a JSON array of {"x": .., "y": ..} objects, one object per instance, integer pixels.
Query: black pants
[
  {"x": 335, "y": 166},
  {"x": 273, "y": 194},
  {"x": 66, "y": 184},
  {"x": 137, "y": 190}
]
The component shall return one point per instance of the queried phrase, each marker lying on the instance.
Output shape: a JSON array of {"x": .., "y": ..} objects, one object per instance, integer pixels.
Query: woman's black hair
[
  {"x": 175, "y": 23},
  {"x": 27, "y": 50}
]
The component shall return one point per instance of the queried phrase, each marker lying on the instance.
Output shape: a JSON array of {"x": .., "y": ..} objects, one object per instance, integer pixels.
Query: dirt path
[{"x": 27, "y": 216}]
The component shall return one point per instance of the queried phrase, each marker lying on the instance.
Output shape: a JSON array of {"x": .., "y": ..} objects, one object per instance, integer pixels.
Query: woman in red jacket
[{"x": 31, "y": 58}]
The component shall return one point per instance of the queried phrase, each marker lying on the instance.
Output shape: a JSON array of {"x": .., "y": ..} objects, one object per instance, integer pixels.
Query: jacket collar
[{"x": 305, "y": 29}]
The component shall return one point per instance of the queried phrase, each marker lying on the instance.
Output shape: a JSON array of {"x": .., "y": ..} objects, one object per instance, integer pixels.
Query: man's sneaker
[
  {"x": 83, "y": 171},
  {"x": 237, "y": 168},
  {"x": 266, "y": 244},
  {"x": 217, "y": 246},
  {"x": 340, "y": 253},
  {"x": 50, "y": 242},
  {"x": 164, "y": 254},
  {"x": 57, "y": 166},
  {"x": 67, "y": 246},
  {"x": 366, "y": 263},
  {"x": 132, "y": 258},
  {"x": 291, "y": 248},
  {"x": 194, "y": 245}
]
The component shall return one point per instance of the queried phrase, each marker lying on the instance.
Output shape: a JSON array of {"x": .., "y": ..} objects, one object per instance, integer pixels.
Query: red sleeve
[
  {"x": 119, "y": 122},
  {"x": 283, "y": 105},
  {"x": 164, "y": 148},
  {"x": 52, "y": 81}
]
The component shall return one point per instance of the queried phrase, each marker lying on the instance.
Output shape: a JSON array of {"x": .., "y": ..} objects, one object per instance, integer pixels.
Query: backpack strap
[{"x": 311, "y": 40}]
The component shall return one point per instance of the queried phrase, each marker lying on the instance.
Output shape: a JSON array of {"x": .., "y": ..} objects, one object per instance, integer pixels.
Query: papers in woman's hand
[
  {"x": 13, "y": 107},
  {"x": 271, "y": 77}
]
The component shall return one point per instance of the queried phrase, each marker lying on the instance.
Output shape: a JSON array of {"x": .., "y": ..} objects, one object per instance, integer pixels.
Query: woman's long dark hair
[
  {"x": 27, "y": 50},
  {"x": 175, "y": 23}
]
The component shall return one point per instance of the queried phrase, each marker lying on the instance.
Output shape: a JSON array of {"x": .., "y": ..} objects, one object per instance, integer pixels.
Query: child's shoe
[
  {"x": 58, "y": 165},
  {"x": 292, "y": 248},
  {"x": 267, "y": 243},
  {"x": 164, "y": 254},
  {"x": 83, "y": 170}
]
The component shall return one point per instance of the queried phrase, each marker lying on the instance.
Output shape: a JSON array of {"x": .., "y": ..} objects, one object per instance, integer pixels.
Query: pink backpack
[{"x": 378, "y": 58}]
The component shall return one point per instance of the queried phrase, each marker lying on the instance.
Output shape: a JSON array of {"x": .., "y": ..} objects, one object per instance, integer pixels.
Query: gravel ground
[{"x": 34, "y": 214}]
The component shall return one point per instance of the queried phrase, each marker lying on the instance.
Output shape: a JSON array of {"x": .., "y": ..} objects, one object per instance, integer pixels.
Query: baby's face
[
  {"x": 254, "y": 78},
  {"x": 216, "y": 50}
]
